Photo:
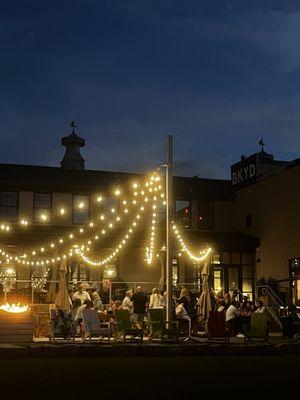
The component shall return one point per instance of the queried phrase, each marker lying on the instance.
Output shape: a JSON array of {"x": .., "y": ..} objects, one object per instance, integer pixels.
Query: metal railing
[
  {"x": 274, "y": 300},
  {"x": 23, "y": 291}
]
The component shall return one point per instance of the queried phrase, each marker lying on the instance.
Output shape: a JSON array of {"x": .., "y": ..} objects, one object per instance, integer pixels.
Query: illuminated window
[
  {"x": 81, "y": 209},
  {"x": 183, "y": 213},
  {"x": 109, "y": 271},
  {"x": 42, "y": 203},
  {"x": 9, "y": 206},
  {"x": 218, "y": 279},
  {"x": 175, "y": 271},
  {"x": 205, "y": 215},
  {"x": 247, "y": 275}
]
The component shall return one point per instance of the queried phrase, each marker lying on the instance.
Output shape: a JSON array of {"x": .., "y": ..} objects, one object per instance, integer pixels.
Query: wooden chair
[
  {"x": 217, "y": 327},
  {"x": 161, "y": 328},
  {"x": 258, "y": 327},
  {"x": 125, "y": 327}
]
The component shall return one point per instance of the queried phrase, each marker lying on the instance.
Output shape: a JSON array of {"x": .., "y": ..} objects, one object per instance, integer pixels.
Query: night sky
[{"x": 219, "y": 75}]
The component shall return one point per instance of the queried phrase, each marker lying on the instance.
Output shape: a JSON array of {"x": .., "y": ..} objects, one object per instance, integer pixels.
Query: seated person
[
  {"x": 62, "y": 323},
  {"x": 260, "y": 307},
  {"x": 232, "y": 314},
  {"x": 183, "y": 318}
]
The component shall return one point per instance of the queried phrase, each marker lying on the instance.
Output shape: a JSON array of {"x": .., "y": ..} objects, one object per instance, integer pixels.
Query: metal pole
[{"x": 169, "y": 219}]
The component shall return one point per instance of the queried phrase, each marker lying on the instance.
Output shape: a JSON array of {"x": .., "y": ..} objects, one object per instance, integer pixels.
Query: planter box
[{"x": 16, "y": 328}]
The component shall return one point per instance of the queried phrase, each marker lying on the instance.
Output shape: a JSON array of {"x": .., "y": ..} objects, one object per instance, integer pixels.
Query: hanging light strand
[{"x": 203, "y": 253}]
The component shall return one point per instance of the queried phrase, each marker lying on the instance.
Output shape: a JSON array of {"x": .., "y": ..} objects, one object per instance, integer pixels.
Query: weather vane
[
  {"x": 262, "y": 144},
  {"x": 73, "y": 125}
]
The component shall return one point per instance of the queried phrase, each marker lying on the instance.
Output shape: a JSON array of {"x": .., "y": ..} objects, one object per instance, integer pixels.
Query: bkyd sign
[{"x": 243, "y": 172}]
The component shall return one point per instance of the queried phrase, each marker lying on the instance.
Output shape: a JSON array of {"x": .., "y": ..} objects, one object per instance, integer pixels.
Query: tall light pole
[{"x": 169, "y": 219}]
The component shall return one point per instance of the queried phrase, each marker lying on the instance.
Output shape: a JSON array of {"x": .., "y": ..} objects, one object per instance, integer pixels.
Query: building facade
[{"x": 250, "y": 222}]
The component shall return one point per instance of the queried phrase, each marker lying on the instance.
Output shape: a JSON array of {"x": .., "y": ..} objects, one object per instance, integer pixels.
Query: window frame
[
  {"x": 74, "y": 195},
  {"x": 190, "y": 213},
  {"x": 211, "y": 225},
  {"x": 35, "y": 220},
  {"x": 13, "y": 207}
]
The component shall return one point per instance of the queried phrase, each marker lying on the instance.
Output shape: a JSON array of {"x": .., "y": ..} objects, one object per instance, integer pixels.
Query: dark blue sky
[{"x": 217, "y": 74}]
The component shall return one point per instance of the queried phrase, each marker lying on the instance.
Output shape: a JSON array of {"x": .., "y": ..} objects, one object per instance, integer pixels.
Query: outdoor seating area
[{"x": 140, "y": 317}]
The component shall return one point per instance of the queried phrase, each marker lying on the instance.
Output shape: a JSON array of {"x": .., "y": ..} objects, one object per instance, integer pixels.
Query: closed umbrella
[
  {"x": 62, "y": 300},
  {"x": 51, "y": 294},
  {"x": 204, "y": 302}
]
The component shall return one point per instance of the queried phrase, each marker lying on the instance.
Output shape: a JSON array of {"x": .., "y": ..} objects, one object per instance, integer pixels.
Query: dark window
[
  {"x": 9, "y": 206},
  {"x": 42, "y": 203},
  {"x": 248, "y": 220},
  {"x": 81, "y": 209},
  {"x": 205, "y": 215},
  {"x": 183, "y": 213},
  {"x": 109, "y": 204}
]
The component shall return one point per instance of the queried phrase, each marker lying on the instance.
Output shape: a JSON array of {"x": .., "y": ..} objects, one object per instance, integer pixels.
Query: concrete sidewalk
[{"x": 191, "y": 348}]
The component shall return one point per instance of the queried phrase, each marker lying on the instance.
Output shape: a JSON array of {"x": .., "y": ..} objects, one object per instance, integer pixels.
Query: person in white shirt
[
  {"x": 183, "y": 318},
  {"x": 260, "y": 307},
  {"x": 81, "y": 294},
  {"x": 231, "y": 317},
  {"x": 127, "y": 304},
  {"x": 156, "y": 299}
]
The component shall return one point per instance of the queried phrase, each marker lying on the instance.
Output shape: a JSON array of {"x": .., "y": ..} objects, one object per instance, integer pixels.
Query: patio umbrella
[
  {"x": 51, "y": 294},
  {"x": 62, "y": 299},
  {"x": 204, "y": 302}
]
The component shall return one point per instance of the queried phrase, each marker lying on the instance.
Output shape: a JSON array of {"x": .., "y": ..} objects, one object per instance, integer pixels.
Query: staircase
[{"x": 273, "y": 300}]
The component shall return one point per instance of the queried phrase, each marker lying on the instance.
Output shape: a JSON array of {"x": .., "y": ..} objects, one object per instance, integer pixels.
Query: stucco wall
[{"x": 275, "y": 205}]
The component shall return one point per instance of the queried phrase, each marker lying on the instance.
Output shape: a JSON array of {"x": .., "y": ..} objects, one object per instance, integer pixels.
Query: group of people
[
  {"x": 136, "y": 301},
  {"x": 238, "y": 313}
]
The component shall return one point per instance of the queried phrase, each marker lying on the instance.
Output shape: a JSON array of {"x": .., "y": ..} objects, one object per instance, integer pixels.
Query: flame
[{"x": 14, "y": 308}]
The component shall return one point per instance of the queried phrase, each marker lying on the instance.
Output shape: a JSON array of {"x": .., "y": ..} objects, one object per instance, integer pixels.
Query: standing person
[
  {"x": 185, "y": 299},
  {"x": 139, "y": 300},
  {"x": 97, "y": 302},
  {"x": 156, "y": 299},
  {"x": 127, "y": 302},
  {"x": 81, "y": 294}
]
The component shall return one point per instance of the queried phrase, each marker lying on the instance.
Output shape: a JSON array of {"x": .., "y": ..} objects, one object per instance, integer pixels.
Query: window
[
  {"x": 109, "y": 203},
  {"x": 216, "y": 258},
  {"x": 205, "y": 215},
  {"x": 81, "y": 209},
  {"x": 9, "y": 206},
  {"x": 247, "y": 275},
  {"x": 175, "y": 271},
  {"x": 109, "y": 271},
  {"x": 218, "y": 279},
  {"x": 248, "y": 220},
  {"x": 183, "y": 211},
  {"x": 42, "y": 203}
]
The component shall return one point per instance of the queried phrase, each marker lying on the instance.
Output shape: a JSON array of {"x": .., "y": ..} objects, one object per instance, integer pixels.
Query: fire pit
[{"x": 16, "y": 324}]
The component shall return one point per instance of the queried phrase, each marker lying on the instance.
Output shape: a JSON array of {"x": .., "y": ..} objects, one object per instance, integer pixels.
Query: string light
[
  {"x": 147, "y": 197},
  {"x": 203, "y": 253}
]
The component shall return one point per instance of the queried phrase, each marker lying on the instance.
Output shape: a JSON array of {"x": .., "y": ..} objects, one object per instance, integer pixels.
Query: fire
[{"x": 14, "y": 308}]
